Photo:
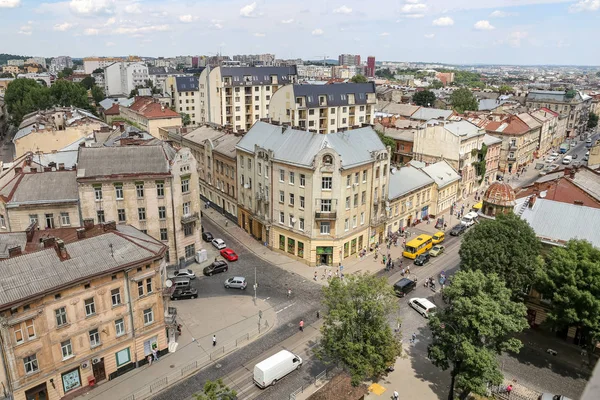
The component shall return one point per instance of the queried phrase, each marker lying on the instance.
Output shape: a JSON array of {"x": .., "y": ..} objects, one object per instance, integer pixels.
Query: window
[
  {"x": 140, "y": 286},
  {"x": 185, "y": 185},
  {"x": 301, "y": 224},
  {"x": 18, "y": 333},
  {"x": 142, "y": 214},
  {"x": 66, "y": 349},
  {"x": 346, "y": 224},
  {"x": 119, "y": 192},
  {"x": 325, "y": 228},
  {"x": 115, "y": 296},
  {"x": 302, "y": 180},
  {"x": 190, "y": 250},
  {"x": 163, "y": 234},
  {"x": 160, "y": 189},
  {"x": 355, "y": 200},
  {"x": 377, "y": 173},
  {"x": 347, "y": 202},
  {"x": 281, "y": 175},
  {"x": 33, "y": 218},
  {"x": 242, "y": 161},
  {"x": 119, "y": 327},
  {"x": 148, "y": 316},
  {"x": 292, "y": 220},
  {"x": 121, "y": 215},
  {"x": 327, "y": 160},
  {"x": 98, "y": 193},
  {"x": 354, "y": 221},
  {"x": 65, "y": 219},
  {"x": 362, "y": 218},
  {"x": 384, "y": 169},
  {"x": 291, "y": 199},
  {"x": 61, "y": 316},
  {"x": 90, "y": 307},
  {"x": 259, "y": 168},
  {"x": 363, "y": 197},
  {"x": 326, "y": 183},
  {"x": 148, "y": 285},
  {"x": 31, "y": 364},
  {"x": 364, "y": 176},
  {"x": 301, "y": 201},
  {"x": 292, "y": 178},
  {"x": 281, "y": 196},
  {"x": 100, "y": 216},
  {"x": 94, "y": 338},
  {"x": 348, "y": 180},
  {"x": 281, "y": 217},
  {"x": 325, "y": 205},
  {"x": 139, "y": 189}
]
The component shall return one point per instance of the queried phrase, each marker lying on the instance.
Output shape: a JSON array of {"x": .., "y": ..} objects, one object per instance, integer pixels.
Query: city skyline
[{"x": 457, "y": 32}]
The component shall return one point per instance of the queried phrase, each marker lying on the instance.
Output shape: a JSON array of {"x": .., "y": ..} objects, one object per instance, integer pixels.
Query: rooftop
[
  {"x": 41, "y": 188},
  {"x": 407, "y": 179},
  {"x": 187, "y": 83},
  {"x": 442, "y": 173},
  {"x": 151, "y": 109},
  {"x": 405, "y": 110},
  {"x": 553, "y": 96},
  {"x": 489, "y": 140},
  {"x": 122, "y": 161},
  {"x": 337, "y": 93},
  {"x": 426, "y": 114},
  {"x": 121, "y": 101},
  {"x": 258, "y": 75},
  {"x": 44, "y": 119}
]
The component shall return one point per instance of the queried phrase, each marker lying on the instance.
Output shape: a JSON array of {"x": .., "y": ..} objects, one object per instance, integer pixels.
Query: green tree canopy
[
  {"x": 88, "y": 82},
  {"x": 592, "y": 120},
  {"x": 506, "y": 246},
  {"x": 98, "y": 71},
  {"x": 477, "y": 325},
  {"x": 65, "y": 73},
  {"x": 384, "y": 73},
  {"x": 185, "y": 119},
  {"x": 463, "y": 100},
  {"x": 387, "y": 141},
  {"x": 65, "y": 93},
  {"x": 571, "y": 280},
  {"x": 424, "y": 98},
  {"x": 97, "y": 94},
  {"x": 216, "y": 390},
  {"x": 23, "y": 96},
  {"x": 356, "y": 330},
  {"x": 505, "y": 89},
  {"x": 358, "y": 78},
  {"x": 436, "y": 85},
  {"x": 6, "y": 75}
]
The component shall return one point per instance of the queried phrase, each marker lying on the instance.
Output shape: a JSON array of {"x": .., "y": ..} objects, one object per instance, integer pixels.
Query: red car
[{"x": 229, "y": 255}]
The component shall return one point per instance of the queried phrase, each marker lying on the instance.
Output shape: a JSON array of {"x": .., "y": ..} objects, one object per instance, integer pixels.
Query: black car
[
  {"x": 422, "y": 259},
  {"x": 458, "y": 230},
  {"x": 404, "y": 286},
  {"x": 207, "y": 237},
  {"x": 186, "y": 293},
  {"x": 216, "y": 267}
]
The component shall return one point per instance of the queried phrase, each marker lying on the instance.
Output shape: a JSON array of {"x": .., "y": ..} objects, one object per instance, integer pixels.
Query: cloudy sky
[{"x": 452, "y": 31}]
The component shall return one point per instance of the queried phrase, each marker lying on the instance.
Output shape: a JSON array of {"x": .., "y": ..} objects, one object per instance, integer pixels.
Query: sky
[{"x": 448, "y": 31}]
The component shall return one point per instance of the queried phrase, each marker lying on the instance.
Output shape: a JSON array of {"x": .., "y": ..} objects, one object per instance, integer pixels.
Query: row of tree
[{"x": 461, "y": 99}]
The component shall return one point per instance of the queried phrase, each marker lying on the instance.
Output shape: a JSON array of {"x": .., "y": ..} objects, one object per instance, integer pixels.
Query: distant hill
[{"x": 5, "y": 57}]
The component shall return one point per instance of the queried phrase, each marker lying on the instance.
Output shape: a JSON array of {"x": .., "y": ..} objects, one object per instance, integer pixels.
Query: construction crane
[{"x": 324, "y": 59}]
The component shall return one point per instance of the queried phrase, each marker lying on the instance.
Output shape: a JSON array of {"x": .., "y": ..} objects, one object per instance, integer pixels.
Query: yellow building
[
  {"x": 63, "y": 332},
  {"x": 316, "y": 198},
  {"x": 447, "y": 190},
  {"x": 11, "y": 69},
  {"x": 410, "y": 196}
]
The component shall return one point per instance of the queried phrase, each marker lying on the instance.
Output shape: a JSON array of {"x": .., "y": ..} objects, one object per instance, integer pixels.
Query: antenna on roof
[{"x": 112, "y": 253}]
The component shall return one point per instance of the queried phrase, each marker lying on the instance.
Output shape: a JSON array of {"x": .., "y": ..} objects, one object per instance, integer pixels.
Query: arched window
[{"x": 327, "y": 159}]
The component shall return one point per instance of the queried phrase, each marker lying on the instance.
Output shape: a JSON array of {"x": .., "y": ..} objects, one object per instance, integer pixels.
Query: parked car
[
  {"x": 550, "y": 159},
  {"x": 184, "y": 293},
  {"x": 216, "y": 267},
  {"x": 404, "y": 286},
  {"x": 458, "y": 230},
  {"x": 219, "y": 243},
  {"x": 422, "y": 306},
  {"x": 237, "y": 282},
  {"x": 207, "y": 236},
  {"x": 567, "y": 160},
  {"x": 182, "y": 273},
  {"x": 422, "y": 259},
  {"x": 229, "y": 255},
  {"x": 550, "y": 396},
  {"x": 436, "y": 250},
  {"x": 586, "y": 158}
]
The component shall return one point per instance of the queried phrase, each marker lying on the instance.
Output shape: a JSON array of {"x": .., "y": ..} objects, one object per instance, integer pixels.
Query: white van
[
  {"x": 422, "y": 306},
  {"x": 269, "y": 371},
  {"x": 567, "y": 160},
  {"x": 469, "y": 219}
]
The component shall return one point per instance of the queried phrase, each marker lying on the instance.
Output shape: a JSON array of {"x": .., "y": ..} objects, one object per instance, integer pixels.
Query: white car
[
  {"x": 550, "y": 160},
  {"x": 555, "y": 155},
  {"x": 567, "y": 160},
  {"x": 219, "y": 243}
]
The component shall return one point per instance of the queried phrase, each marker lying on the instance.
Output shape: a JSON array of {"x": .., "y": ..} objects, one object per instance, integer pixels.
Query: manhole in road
[
  {"x": 217, "y": 366},
  {"x": 171, "y": 366}
]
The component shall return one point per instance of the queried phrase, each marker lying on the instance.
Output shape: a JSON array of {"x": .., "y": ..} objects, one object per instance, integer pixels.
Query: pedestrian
[
  {"x": 155, "y": 353},
  {"x": 337, "y": 273},
  {"x": 445, "y": 226},
  {"x": 215, "y": 259},
  {"x": 214, "y": 340},
  {"x": 413, "y": 337},
  {"x": 318, "y": 314},
  {"x": 396, "y": 395},
  {"x": 149, "y": 358},
  {"x": 407, "y": 268},
  {"x": 315, "y": 278},
  {"x": 301, "y": 325},
  {"x": 289, "y": 292}
]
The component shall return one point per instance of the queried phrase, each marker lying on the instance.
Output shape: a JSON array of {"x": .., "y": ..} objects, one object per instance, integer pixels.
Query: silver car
[{"x": 237, "y": 282}]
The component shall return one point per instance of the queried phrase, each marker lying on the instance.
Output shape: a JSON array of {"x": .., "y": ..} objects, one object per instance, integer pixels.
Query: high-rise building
[
  {"x": 370, "y": 72},
  {"x": 349, "y": 59},
  {"x": 59, "y": 63}
]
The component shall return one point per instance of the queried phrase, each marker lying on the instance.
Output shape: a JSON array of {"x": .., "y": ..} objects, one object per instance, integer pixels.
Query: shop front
[{"x": 324, "y": 255}]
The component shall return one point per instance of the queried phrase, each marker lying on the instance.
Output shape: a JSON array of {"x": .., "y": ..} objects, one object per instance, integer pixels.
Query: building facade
[
  {"x": 572, "y": 103},
  {"x": 492, "y": 158},
  {"x": 349, "y": 59},
  {"x": 120, "y": 78},
  {"x": 448, "y": 187},
  {"x": 90, "y": 64},
  {"x": 59, "y": 63},
  {"x": 549, "y": 130},
  {"x": 370, "y": 70},
  {"x": 147, "y": 113},
  {"x": 186, "y": 97},
  {"x": 324, "y": 108}
]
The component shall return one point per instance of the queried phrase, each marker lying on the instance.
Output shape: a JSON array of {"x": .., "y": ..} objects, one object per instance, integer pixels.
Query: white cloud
[
  {"x": 414, "y": 16},
  {"x": 585, "y": 5},
  {"x": 10, "y": 3},
  {"x": 502, "y": 14},
  {"x": 287, "y": 21},
  {"x": 134, "y": 8},
  {"x": 384, "y": 34},
  {"x": 514, "y": 39},
  {"x": 413, "y": 8},
  {"x": 110, "y": 21},
  {"x": 412, "y": 1},
  {"x": 91, "y": 7},
  {"x": 109, "y": 44},
  {"x": 91, "y": 31},
  {"x": 484, "y": 25},
  {"x": 443, "y": 21},
  {"x": 26, "y": 29},
  {"x": 317, "y": 32},
  {"x": 65, "y": 26},
  {"x": 259, "y": 34},
  {"x": 343, "y": 10},
  {"x": 248, "y": 11},
  {"x": 216, "y": 24},
  {"x": 125, "y": 30},
  {"x": 429, "y": 35},
  {"x": 187, "y": 18}
]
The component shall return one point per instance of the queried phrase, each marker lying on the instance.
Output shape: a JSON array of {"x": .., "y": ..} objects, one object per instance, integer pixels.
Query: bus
[{"x": 418, "y": 245}]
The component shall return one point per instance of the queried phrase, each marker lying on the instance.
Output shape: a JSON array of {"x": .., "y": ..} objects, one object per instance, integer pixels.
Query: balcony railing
[
  {"x": 188, "y": 219},
  {"x": 331, "y": 215}
]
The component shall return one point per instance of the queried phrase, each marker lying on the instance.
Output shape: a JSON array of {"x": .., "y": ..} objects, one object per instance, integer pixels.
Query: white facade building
[{"x": 121, "y": 78}]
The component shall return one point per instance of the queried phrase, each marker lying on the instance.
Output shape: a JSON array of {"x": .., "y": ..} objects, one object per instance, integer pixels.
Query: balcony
[
  {"x": 188, "y": 219},
  {"x": 325, "y": 216},
  {"x": 511, "y": 158},
  {"x": 512, "y": 147}
]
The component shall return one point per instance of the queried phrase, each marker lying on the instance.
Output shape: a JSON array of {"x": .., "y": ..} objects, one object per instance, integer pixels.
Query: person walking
[
  {"x": 154, "y": 354},
  {"x": 396, "y": 395},
  {"x": 315, "y": 278},
  {"x": 289, "y": 293},
  {"x": 413, "y": 338},
  {"x": 214, "y": 340},
  {"x": 301, "y": 325}
]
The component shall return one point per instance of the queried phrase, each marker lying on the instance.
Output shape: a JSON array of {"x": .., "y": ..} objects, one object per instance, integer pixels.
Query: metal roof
[
  {"x": 45, "y": 187},
  {"x": 127, "y": 160},
  {"x": 121, "y": 101},
  {"x": 407, "y": 179},
  {"x": 589, "y": 181},
  {"x": 489, "y": 140},
  {"x": 552, "y": 95},
  {"x": 442, "y": 173},
  {"x": 463, "y": 128},
  {"x": 300, "y": 147},
  {"x": 425, "y": 114},
  {"x": 337, "y": 93},
  {"x": 187, "y": 83},
  {"x": 405, "y": 110},
  {"x": 258, "y": 75}
]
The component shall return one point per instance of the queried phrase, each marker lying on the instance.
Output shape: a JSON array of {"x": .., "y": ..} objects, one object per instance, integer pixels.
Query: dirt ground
[{"x": 340, "y": 388}]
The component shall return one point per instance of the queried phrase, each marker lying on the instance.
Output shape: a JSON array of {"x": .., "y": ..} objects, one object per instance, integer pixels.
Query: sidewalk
[{"x": 195, "y": 348}]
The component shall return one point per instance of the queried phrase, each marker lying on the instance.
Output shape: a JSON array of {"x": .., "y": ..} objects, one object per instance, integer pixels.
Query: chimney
[
  {"x": 81, "y": 233},
  {"x": 14, "y": 251},
  {"x": 33, "y": 170},
  {"x": 109, "y": 226},
  {"x": 122, "y": 128},
  {"x": 49, "y": 242},
  {"x": 88, "y": 223},
  {"x": 30, "y": 231},
  {"x": 18, "y": 170},
  {"x": 61, "y": 250},
  {"x": 531, "y": 201},
  {"x": 61, "y": 166}
]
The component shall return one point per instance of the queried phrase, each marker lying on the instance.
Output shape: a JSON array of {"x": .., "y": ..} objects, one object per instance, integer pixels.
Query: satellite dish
[
  {"x": 393, "y": 171},
  {"x": 543, "y": 194},
  {"x": 293, "y": 220},
  {"x": 168, "y": 283}
]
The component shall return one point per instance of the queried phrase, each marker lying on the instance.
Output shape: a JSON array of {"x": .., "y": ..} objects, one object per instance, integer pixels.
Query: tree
[
  {"x": 505, "y": 89},
  {"x": 88, "y": 82},
  {"x": 185, "y": 119},
  {"x": 133, "y": 93},
  {"x": 216, "y": 390},
  {"x": 98, "y": 71},
  {"x": 571, "y": 280},
  {"x": 97, "y": 94},
  {"x": 355, "y": 329},
  {"x": 65, "y": 93},
  {"x": 506, "y": 246},
  {"x": 592, "y": 120},
  {"x": 436, "y": 85},
  {"x": 424, "y": 98},
  {"x": 6, "y": 75},
  {"x": 66, "y": 72},
  {"x": 463, "y": 100},
  {"x": 358, "y": 78},
  {"x": 23, "y": 96},
  {"x": 476, "y": 326},
  {"x": 387, "y": 141},
  {"x": 384, "y": 73}
]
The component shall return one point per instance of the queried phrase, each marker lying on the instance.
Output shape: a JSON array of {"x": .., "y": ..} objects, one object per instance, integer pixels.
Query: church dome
[{"x": 500, "y": 194}]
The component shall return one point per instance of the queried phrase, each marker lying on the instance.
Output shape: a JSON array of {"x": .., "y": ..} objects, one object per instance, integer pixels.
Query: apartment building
[
  {"x": 151, "y": 187},
  {"x": 319, "y": 72},
  {"x": 349, "y": 59},
  {"x": 571, "y": 103},
  {"x": 237, "y": 97},
  {"x": 403, "y": 132},
  {"x": 492, "y": 158},
  {"x": 549, "y": 132},
  {"x": 93, "y": 63},
  {"x": 215, "y": 154},
  {"x": 147, "y": 113},
  {"x": 11, "y": 69},
  {"x": 324, "y": 108},
  {"x": 57, "y": 64},
  {"x": 410, "y": 197},
  {"x": 120, "y": 78},
  {"x": 186, "y": 97},
  {"x": 319, "y": 205},
  {"x": 64, "y": 332},
  {"x": 447, "y": 187},
  {"x": 458, "y": 143}
]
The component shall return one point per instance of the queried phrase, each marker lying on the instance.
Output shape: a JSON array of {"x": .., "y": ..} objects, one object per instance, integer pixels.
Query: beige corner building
[
  {"x": 148, "y": 114},
  {"x": 62, "y": 333},
  {"x": 316, "y": 198}
]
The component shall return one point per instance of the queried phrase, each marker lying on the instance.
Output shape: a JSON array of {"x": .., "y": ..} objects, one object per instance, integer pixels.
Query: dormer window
[{"x": 327, "y": 160}]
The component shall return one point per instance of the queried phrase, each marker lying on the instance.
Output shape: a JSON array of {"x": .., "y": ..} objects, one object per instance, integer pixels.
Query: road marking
[
  {"x": 284, "y": 308},
  {"x": 266, "y": 299}
]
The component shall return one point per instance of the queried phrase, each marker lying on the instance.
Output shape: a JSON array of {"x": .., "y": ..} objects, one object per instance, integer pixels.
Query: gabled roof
[
  {"x": 42, "y": 119},
  {"x": 151, "y": 109},
  {"x": 426, "y": 114},
  {"x": 442, "y": 173},
  {"x": 123, "y": 161},
  {"x": 187, "y": 83},
  {"x": 258, "y": 75},
  {"x": 405, "y": 110},
  {"x": 336, "y": 94},
  {"x": 42, "y": 188},
  {"x": 300, "y": 147},
  {"x": 122, "y": 101},
  {"x": 463, "y": 129},
  {"x": 512, "y": 125},
  {"x": 407, "y": 179},
  {"x": 489, "y": 140}
]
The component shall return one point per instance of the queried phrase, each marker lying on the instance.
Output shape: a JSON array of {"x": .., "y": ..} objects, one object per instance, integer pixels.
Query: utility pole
[{"x": 255, "y": 284}]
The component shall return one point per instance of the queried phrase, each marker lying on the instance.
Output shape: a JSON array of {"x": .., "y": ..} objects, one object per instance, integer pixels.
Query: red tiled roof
[
  {"x": 113, "y": 110},
  {"x": 150, "y": 109},
  {"x": 549, "y": 111},
  {"x": 514, "y": 126}
]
